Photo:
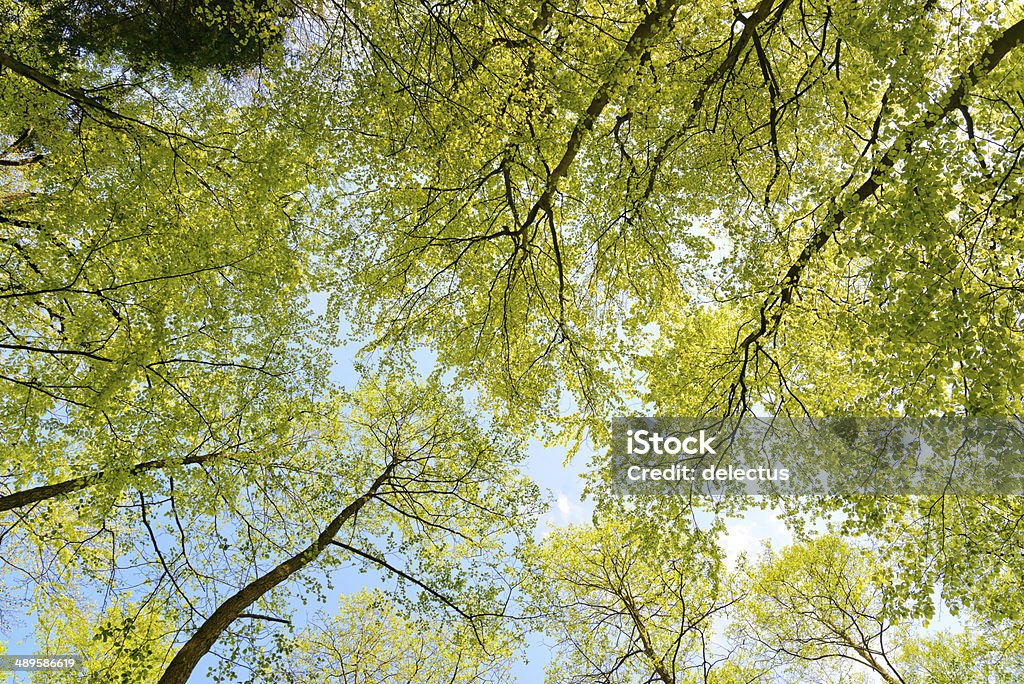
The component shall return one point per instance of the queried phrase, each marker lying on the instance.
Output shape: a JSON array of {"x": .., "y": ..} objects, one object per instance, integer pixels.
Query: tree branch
[
  {"x": 774, "y": 306},
  {"x": 52, "y": 491},
  {"x": 200, "y": 643}
]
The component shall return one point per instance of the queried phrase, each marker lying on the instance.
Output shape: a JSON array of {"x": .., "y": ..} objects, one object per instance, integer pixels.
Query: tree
[
  {"x": 629, "y": 602},
  {"x": 538, "y": 186},
  {"x": 122, "y": 644},
  {"x": 970, "y": 547},
  {"x": 419, "y": 486},
  {"x": 370, "y": 640},
  {"x": 964, "y": 657},
  {"x": 397, "y": 478},
  {"x": 819, "y": 602},
  {"x": 823, "y": 603},
  {"x": 194, "y": 34},
  {"x": 154, "y": 278}
]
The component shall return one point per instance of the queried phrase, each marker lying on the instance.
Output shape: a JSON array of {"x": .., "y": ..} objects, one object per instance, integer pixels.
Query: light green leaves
[{"x": 625, "y": 600}]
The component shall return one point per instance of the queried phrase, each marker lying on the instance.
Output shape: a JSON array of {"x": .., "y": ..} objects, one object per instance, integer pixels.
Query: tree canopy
[
  {"x": 183, "y": 34},
  {"x": 575, "y": 211}
]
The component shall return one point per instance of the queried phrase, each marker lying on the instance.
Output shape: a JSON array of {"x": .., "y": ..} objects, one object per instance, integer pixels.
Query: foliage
[
  {"x": 628, "y": 602},
  {"x": 370, "y": 641},
  {"x": 121, "y": 644},
  {"x": 228, "y": 35},
  {"x": 826, "y": 606},
  {"x": 535, "y": 202},
  {"x": 797, "y": 208}
]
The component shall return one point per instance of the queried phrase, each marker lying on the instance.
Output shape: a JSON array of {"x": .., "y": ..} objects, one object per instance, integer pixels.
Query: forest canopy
[{"x": 798, "y": 209}]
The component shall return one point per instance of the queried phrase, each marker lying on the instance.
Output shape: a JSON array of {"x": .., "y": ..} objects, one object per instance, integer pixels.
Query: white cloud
[{"x": 564, "y": 507}]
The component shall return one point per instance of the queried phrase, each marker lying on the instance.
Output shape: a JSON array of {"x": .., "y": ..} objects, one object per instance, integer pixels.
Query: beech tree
[
  {"x": 154, "y": 282},
  {"x": 396, "y": 478},
  {"x": 538, "y": 186},
  {"x": 825, "y": 607},
  {"x": 629, "y": 602},
  {"x": 229, "y": 36},
  {"x": 370, "y": 640},
  {"x": 436, "y": 501}
]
